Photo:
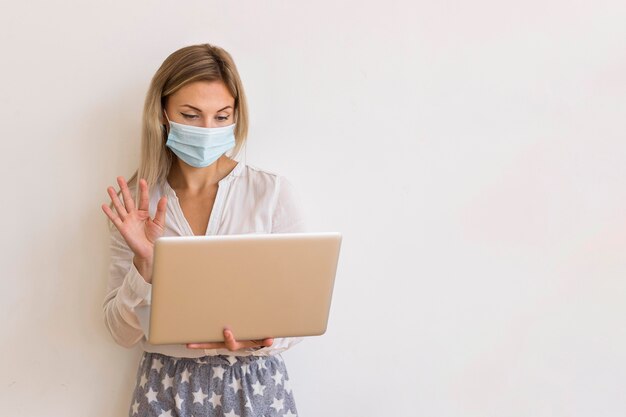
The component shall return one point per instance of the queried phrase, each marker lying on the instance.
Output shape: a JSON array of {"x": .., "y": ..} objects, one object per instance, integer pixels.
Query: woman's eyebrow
[
  {"x": 200, "y": 111},
  {"x": 195, "y": 108}
]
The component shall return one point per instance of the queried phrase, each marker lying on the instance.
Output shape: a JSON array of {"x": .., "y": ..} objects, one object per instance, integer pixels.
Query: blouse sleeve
[
  {"x": 288, "y": 217},
  {"x": 126, "y": 290}
]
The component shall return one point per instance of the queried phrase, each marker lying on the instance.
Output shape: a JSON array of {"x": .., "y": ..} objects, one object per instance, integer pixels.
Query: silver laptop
[{"x": 259, "y": 285}]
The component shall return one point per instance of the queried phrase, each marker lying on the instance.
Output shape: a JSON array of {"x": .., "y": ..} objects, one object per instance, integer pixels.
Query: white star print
[
  {"x": 199, "y": 396},
  {"x": 218, "y": 372},
  {"x": 262, "y": 364},
  {"x": 151, "y": 394},
  {"x": 231, "y": 414},
  {"x": 168, "y": 382},
  {"x": 290, "y": 414},
  {"x": 179, "y": 401},
  {"x": 258, "y": 388},
  {"x": 135, "y": 407},
  {"x": 185, "y": 376},
  {"x": 157, "y": 365},
  {"x": 215, "y": 400},
  {"x": 166, "y": 414},
  {"x": 235, "y": 385},
  {"x": 143, "y": 381},
  {"x": 248, "y": 404},
  {"x": 245, "y": 368},
  {"x": 231, "y": 359},
  {"x": 287, "y": 386},
  {"x": 278, "y": 378},
  {"x": 277, "y": 404}
]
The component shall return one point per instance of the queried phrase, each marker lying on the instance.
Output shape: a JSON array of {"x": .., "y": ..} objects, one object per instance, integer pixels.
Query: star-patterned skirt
[{"x": 231, "y": 386}]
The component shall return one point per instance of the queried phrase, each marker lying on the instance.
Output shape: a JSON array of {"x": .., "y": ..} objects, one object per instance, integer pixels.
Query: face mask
[{"x": 199, "y": 146}]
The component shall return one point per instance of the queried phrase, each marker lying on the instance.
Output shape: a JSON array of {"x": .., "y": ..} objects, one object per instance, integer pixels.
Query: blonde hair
[{"x": 202, "y": 62}]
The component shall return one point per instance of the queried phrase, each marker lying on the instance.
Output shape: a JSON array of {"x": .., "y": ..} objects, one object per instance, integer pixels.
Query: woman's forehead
[{"x": 203, "y": 95}]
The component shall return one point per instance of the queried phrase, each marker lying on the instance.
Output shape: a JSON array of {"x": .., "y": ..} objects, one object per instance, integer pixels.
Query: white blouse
[{"x": 248, "y": 200}]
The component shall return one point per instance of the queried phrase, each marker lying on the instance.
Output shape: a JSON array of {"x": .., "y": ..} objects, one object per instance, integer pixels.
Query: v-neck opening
[{"x": 217, "y": 203}]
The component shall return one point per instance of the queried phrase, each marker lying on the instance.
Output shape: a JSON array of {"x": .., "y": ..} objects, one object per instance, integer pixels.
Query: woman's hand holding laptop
[
  {"x": 231, "y": 343},
  {"x": 141, "y": 232}
]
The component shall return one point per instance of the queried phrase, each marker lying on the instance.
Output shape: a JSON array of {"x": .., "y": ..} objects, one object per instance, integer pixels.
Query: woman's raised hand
[{"x": 135, "y": 225}]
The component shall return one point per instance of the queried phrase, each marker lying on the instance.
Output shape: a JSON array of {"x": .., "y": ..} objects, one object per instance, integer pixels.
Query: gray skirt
[{"x": 231, "y": 386}]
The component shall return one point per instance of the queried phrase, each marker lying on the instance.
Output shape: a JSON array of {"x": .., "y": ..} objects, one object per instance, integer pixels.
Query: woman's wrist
[{"x": 144, "y": 267}]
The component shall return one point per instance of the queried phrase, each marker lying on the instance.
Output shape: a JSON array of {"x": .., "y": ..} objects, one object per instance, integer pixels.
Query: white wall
[{"x": 472, "y": 153}]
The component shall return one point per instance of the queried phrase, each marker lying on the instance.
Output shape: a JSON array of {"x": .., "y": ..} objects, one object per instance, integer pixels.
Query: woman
[{"x": 195, "y": 112}]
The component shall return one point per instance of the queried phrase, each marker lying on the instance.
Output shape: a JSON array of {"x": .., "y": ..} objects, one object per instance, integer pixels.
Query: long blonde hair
[{"x": 202, "y": 62}]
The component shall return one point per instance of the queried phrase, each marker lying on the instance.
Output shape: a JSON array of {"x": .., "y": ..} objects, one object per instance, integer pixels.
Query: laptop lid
[{"x": 259, "y": 285}]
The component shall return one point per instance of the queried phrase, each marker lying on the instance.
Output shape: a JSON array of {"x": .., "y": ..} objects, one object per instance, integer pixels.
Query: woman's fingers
[
  {"x": 128, "y": 198},
  {"x": 231, "y": 343},
  {"x": 159, "y": 217},
  {"x": 114, "y": 217},
  {"x": 144, "y": 197},
  {"x": 213, "y": 345},
  {"x": 261, "y": 343},
  {"x": 119, "y": 207}
]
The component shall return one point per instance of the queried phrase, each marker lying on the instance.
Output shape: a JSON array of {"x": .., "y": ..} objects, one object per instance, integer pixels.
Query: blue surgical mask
[{"x": 200, "y": 146}]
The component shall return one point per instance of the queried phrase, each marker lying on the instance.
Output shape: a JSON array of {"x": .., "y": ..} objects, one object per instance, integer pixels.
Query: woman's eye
[
  {"x": 222, "y": 118},
  {"x": 189, "y": 116}
]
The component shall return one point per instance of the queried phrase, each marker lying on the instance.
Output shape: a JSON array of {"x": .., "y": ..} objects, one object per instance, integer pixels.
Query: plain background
[{"x": 472, "y": 153}]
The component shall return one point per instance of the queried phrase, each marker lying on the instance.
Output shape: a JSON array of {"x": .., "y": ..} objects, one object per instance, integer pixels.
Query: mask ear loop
[
  {"x": 165, "y": 127},
  {"x": 245, "y": 151},
  {"x": 244, "y": 148}
]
